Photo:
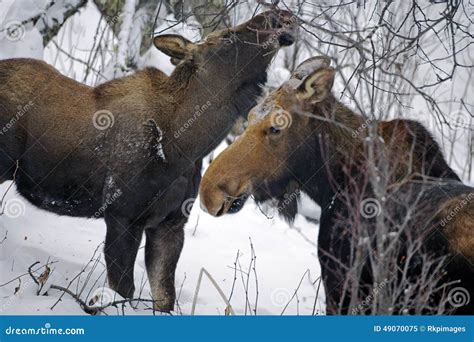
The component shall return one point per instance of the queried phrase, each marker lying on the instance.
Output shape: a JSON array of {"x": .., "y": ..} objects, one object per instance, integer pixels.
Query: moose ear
[
  {"x": 175, "y": 46},
  {"x": 309, "y": 66},
  {"x": 316, "y": 86}
]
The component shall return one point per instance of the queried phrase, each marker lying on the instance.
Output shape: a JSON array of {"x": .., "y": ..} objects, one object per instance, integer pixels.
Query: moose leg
[
  {"x": 331, "y": 288},
  {"x": 6, "y": 172},
  {"x": 334, "y": 276},
  {"x": 121, "y": 247},
  {"x": 162, "y": 249}
]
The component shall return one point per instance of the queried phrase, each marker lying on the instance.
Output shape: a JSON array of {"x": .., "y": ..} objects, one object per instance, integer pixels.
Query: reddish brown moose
[{"x": 300, "y": 138}]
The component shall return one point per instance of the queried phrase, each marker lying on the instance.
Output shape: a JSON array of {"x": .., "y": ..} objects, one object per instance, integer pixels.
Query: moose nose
[
  {"x": 272, "y": 20},
  {"x": 216, "y": 197},
  {"x": 212, "y": 195},
  {"x": 213, "y": 201}
]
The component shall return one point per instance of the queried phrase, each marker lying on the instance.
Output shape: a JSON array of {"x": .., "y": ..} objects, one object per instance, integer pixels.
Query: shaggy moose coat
[
  {"x": 393, "y": 211},
  {"x": 130, "y": 150}
]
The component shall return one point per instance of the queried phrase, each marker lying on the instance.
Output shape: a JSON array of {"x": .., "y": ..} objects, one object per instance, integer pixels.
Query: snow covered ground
[{"x": 284, "y": 257}]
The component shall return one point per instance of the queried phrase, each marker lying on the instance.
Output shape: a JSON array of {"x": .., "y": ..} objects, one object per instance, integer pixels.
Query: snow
[
  {"x": 283, "y": 255},
  {"x": 157, "y": 145},
  {"x": 27, "y": 40},
  {"x": 30, "y": 44},
  {"x": 123, "y": 37}
]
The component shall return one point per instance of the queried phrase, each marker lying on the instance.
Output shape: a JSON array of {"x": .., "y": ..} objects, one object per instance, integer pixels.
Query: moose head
[
  {"x": 271, "y": 159},
  {"x": 265, "y": 32},
  {"x": 300, "y": 138},
  {"x": 226, "y": 71}
]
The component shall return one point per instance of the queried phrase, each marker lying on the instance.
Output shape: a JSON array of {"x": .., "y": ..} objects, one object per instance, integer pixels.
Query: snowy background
[{"x": 260, "y": 262}]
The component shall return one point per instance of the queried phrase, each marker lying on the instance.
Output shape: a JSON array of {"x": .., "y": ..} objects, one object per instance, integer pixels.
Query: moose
[
  {"x": 130, "y": 150},
  {"x": 301, "y": 139}
]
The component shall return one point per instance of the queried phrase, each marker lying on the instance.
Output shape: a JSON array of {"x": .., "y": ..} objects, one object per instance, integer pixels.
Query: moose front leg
[
  {"x": 333, "y": 276},
  {"x": 332, "y": 294},
  {"x": 121, "y": 247},
  {"x": 162, "y": 249}
]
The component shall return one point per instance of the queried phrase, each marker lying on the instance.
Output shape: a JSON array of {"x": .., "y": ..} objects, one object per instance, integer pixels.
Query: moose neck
[
  {"x": 210, "y": 106},
  {"x": 336, "y": 146}
]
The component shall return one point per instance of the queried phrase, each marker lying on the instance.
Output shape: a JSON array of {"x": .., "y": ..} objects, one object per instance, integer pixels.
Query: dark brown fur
[
  {"x": 324, "y": 153},
  {"x": 68, "y": 166}
]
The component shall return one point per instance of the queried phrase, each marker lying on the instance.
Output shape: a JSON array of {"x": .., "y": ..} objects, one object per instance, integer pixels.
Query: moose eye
[{"x": 273, "y": 130}]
